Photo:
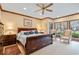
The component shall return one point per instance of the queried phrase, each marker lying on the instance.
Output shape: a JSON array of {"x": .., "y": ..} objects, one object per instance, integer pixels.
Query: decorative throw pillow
[
  {"x": 31, "y": 32},
  {"x": 36, "y": 32},
  {"x": 26, "y": 33}
]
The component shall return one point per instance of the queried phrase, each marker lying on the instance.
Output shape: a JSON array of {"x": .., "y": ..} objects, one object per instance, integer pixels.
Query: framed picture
[{"x": 27, "y": 23}]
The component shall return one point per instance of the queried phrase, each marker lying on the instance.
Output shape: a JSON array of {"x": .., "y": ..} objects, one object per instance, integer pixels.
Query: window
[
  {"x": 63, "y": 26},
  {"x": 75, "y": 28},
  {"x": 58, "y": 26}
]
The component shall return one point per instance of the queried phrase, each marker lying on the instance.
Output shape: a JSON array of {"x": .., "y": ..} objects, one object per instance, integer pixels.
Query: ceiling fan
[{"x": 44, "y": 7}]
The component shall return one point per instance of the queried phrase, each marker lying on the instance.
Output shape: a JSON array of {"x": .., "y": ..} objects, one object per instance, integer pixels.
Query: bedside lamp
[
  {"x": 39, "y": 27},
  {"x": 10, "y": 30}
]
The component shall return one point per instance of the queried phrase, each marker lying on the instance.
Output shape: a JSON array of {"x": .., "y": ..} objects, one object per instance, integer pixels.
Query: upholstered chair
[{"x": 67, "y": 36}]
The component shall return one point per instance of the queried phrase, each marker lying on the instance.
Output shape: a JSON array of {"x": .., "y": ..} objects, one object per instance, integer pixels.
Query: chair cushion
[
  {"x": 64, "y": 37},
  {"x": 67, "y": 33}
]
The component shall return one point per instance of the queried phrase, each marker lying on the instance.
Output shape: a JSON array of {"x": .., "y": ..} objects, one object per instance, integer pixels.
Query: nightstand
[{"x": 8, "y": 39}]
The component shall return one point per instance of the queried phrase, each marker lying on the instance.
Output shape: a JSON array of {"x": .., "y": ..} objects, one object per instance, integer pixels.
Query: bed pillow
[
  {"x": 31, "y": 32},
  {"x": 28, "y": 32},
  {"x": 35, "y": 32},
  {"x": 25, "y": 32}
]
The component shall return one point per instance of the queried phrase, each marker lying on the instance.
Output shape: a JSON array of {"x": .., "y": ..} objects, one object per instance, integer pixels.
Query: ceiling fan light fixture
[{"x": 44, "y": 7}]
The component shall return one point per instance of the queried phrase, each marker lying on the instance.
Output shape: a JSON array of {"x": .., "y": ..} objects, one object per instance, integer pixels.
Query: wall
[
  {"x": 1, "y": 24},
  {"x": 45, "y": 25},
  {"x": 16, "y": 21},
  {"x": 0, "y": 14}
]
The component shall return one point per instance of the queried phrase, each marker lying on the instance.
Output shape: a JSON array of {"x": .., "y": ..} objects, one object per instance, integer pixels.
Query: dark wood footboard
[{"x": 37, "y": 42}]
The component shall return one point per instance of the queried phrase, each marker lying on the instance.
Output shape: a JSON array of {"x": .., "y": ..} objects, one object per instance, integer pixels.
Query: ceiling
[{"x": 59, "y": 9}]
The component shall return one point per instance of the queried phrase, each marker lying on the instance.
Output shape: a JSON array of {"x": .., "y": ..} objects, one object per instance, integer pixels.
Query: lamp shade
[{"x": 10, "y": 28}]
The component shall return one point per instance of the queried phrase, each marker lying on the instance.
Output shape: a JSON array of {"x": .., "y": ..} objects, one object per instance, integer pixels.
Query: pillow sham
[
  {"x": 24, "y": 32},
  {"x": 28, "y": 32}
]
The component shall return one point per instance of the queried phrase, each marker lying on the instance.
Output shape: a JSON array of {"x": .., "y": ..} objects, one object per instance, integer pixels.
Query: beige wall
[
  {"x": 45, "y": 24},
  {"x": 1, "y": 26},
  {"x": 16, "y": 21},
  {"x": 0, "y": 14}
]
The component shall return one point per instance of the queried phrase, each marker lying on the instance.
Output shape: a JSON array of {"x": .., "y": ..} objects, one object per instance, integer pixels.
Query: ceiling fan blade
[
  {"x": 42, "y": 5},
  {"x": 42, "y": 9},
  {"x": 39, "y": 5},
  {"x": 49, "y": 10},
  {"x": 49, "y": 5},
  {"x": 38, "y": 10}
]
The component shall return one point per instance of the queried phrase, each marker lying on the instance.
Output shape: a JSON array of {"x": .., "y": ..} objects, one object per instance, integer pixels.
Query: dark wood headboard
[{"x": 25, "y": 29}]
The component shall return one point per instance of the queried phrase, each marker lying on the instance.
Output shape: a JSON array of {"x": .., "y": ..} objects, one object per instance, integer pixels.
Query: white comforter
[{"x": 22, "y": 38}]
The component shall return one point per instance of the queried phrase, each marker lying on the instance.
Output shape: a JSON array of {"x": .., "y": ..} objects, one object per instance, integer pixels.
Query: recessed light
[
  {"x": 58, "y": 16},
  {"x": 77, "y": 10},
  {"x": 25, "y": 8}
]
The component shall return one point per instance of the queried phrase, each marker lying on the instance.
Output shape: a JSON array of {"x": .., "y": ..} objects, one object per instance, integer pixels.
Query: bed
[{"x": 33, "y": 42}]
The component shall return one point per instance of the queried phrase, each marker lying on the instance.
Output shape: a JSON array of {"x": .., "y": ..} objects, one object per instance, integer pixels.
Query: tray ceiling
[{"x": 59, "y": 9}]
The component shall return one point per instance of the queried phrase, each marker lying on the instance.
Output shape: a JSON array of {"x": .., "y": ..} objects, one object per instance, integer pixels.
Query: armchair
[{"x": 67, "y": 36}]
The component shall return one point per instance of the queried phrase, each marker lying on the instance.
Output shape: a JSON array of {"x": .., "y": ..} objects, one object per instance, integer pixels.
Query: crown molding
[
  {"x": 20, "y": 14},
  {"x": 66, "y": 16},
  {"x": 47, "y": 18}
]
